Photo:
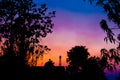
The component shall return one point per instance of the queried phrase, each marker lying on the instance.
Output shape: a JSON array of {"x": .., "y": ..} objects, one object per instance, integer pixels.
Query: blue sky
[{"x": 78, "y": 6}]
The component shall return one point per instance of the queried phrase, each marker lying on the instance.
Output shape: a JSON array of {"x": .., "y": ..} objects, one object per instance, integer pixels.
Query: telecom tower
[{"x": 60, "y": 60}]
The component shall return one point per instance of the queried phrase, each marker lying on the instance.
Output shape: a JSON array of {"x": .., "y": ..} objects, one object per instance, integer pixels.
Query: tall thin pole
[{"x": 60, "y": 60}]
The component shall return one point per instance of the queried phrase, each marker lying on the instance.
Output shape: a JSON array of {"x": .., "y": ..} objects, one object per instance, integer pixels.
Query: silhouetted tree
[
  {"x": 112, "y": 9},
  {"x": 81, "y": 66},
  {"x": 22, "y": 25},
  {"x": 77, "y": 56}
]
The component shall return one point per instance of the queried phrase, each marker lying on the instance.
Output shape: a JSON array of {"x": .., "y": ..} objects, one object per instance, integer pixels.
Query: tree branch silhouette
[{"x": 22, "y": 24}]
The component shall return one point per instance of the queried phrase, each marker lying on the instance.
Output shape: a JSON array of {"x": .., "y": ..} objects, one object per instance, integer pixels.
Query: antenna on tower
[{"x": 60, "y": 60}]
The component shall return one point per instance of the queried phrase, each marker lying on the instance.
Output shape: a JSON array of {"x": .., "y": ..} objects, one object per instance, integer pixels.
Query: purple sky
[{"x": 76, "y": 23}]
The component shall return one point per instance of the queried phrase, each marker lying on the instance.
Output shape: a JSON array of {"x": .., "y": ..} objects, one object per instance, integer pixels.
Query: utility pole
[{"x": 60, "y": 60}]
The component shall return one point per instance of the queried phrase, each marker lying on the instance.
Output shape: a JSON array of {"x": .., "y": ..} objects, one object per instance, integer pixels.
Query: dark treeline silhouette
[
  {"x": 81, "y": 67},
  {"x": 22, "y": 25}
]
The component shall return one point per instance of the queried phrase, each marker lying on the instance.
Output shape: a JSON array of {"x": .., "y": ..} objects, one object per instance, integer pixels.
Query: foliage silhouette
[
  {"x": 34, "y": 55},
  {"x": 108, "y": 31},
  {"x": 111, "y": 7},
  {"x": 81, "y": 65},
  {"x": 22, "y": 25},
  {"x": 50, "y": 63},
  {"x": 92, "y": 66},
  {"x": 111, "y": 58},
  {"x": 77, "y": 56}
]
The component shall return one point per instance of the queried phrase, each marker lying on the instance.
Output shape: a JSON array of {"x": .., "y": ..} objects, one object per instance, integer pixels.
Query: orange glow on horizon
[
  {"x": 54, "y": 56},
  {"x": 61, "y": 50}
]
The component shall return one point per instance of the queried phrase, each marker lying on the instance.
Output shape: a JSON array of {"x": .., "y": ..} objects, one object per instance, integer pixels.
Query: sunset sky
[{"x": 76, "y": 23}]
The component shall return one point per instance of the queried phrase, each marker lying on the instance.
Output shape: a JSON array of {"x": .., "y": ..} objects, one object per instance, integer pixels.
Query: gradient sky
[{"x": 76, "y": 23}]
